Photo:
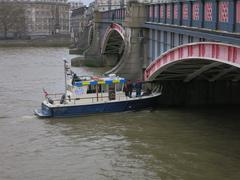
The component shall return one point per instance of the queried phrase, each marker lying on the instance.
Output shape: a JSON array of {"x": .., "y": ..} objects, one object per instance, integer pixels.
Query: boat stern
[{"x": 43, "y": 112}]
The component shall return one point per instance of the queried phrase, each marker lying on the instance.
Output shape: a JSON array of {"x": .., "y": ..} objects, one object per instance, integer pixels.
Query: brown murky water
[{"x": 158, "y": 144}]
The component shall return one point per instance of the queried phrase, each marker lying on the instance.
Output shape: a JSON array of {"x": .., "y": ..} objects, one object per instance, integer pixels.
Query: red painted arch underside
[
  {"x": 219, "y": 52},
  {"x": 112, "y": 27}
]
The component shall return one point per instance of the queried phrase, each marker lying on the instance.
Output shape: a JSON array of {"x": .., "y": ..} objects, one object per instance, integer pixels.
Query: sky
[{"x": 85, "y": 2}]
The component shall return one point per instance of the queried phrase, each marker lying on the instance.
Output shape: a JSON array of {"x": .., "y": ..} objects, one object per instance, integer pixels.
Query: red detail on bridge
[
  {"x": 161, "y": 11},
  {"x": 223, "y": 11},
  {"x": 117, "y": 28},
  {"x": 185, "y": 11},
  {"x": 150, "y": 11},
  {"x": 112, "y": 27},
  {"x": 195, "y": 11},
  {"x": 169, "y": 11},
  {"x": 219, "y": 52},
  {"x": 208, "y": 11},
  {"x": 175, "y": 14}
]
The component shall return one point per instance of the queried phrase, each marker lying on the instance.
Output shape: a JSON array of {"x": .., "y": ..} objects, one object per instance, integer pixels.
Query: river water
[{"x": 164, "y": 143}]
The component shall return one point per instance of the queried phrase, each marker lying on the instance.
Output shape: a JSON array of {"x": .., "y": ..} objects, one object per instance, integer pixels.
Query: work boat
[{"x": 85, "y": 95}]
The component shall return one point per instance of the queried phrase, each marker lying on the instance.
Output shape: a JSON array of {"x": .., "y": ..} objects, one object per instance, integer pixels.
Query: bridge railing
[
  {"x": 114, "y": 15},
  {"x": 221, "y": 15}
]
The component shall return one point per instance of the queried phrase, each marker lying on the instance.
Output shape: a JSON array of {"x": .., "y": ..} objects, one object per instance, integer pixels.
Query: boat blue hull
[{"x": 109, "y": 107}]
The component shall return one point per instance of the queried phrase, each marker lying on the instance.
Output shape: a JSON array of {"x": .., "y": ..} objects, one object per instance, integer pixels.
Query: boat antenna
[{"x": 65, "y": 74}]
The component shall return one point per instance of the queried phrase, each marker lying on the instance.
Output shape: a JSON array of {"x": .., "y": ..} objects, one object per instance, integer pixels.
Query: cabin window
[
  {"x": 119, "y": 87},
  {"x": 91, "y": 89}
]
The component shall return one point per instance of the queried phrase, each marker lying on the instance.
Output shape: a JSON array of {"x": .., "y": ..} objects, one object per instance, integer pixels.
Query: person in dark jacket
[
  {"x": 125, "y": 89},
  {"x": 138, "y": 87},
  {"x": 130, "y": 88},
  {"x": 63, "y": 98}
]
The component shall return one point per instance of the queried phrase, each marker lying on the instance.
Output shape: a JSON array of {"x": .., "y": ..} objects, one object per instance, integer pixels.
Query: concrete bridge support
[
  {"x": 130, "y": 65},
  {"x": 92, "y": 56},
  {"x": 132, "y": 62},
  {"x": 90, "y": 44},
  {"x": 82, "y": 43}
]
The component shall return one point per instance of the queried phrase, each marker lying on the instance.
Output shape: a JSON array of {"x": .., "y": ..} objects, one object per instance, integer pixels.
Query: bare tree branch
[{"x": 12, "y": 19}]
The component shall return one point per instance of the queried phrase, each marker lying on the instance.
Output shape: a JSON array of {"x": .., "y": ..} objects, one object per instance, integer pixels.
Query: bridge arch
[
  {"x": 113, "y": 44},
  {"x": 207, "y": 60}
]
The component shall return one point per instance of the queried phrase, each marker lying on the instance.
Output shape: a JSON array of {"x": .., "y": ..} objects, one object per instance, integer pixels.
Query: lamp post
[
  {"x": 122, "y": 4},
  {"x": 109, "y": 5}
]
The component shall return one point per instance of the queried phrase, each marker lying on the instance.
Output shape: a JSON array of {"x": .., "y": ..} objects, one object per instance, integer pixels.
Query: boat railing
[
  {"x": 92, "y": 99},
  {"x": 55, "y": 95},
  {"x": 76, "y": 100}
]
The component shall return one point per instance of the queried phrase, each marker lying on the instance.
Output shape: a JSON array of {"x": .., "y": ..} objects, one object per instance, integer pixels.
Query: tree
[{"x": 12, "y": 19}]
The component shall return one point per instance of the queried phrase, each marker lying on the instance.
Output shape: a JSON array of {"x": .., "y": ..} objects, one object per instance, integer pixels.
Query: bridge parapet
[
  {"x": 130, "y": 64},
  {"x": 115, "y": 15},
  {"x": 135, "y": 15},
  {"x": 220, "y": 15}
]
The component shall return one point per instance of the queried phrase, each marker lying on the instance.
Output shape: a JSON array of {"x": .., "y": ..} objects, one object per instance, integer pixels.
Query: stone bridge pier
[
  {"x": 118, "y": 45},
  {"x": 131, "y": 64},
  {"x": 92, "y": 54},
  {"x": 89, "y": 44}
]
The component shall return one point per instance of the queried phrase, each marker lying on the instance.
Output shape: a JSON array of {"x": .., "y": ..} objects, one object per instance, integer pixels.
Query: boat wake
[
  {"x": 3, "y": 117},
  {"x": 28, "y": 117}
]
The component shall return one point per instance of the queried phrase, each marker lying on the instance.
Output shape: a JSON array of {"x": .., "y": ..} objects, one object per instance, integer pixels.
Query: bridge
[{"x": 186, "y": 45}]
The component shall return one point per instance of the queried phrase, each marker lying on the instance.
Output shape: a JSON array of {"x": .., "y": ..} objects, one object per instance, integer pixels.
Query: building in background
[
  {"x": 76, "y": 13},
  {"x": 77, "y": 23},
  {"x": 75, "y": 4},
  {"x": 42, "y": 17},
  {"x": 105, "y": 5},
  {"x": 81, "y": 21}
]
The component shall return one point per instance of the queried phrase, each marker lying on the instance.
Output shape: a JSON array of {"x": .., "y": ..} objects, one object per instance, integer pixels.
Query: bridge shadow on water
[{"x": 200, "y": 94}]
